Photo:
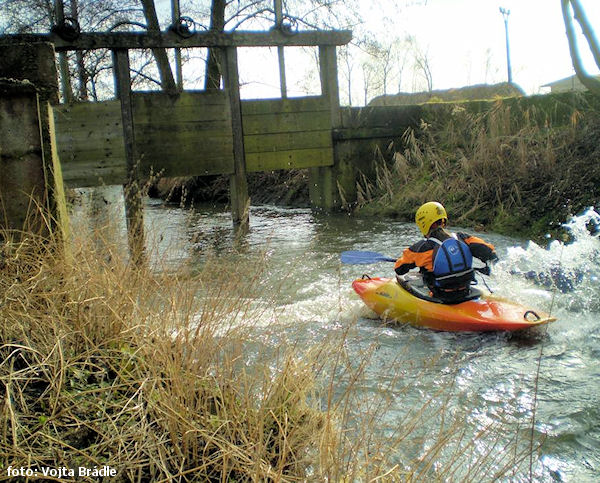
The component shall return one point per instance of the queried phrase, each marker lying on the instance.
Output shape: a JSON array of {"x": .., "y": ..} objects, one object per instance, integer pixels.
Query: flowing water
[{"x": 542, "y": 385}]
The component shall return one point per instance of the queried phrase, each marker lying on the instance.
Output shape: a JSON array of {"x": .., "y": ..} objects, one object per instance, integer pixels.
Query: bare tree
[
  {"x": 160, "y": 55},
  {"x": 421, "y": 61},
  {"x": 371, "y": 82},
  {"x": 578, "y": 13},
  {"x": 348, "y": 62}
]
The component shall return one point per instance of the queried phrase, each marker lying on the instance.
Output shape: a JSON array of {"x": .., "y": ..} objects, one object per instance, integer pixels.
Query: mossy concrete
[{"x": 31, "y": 187}]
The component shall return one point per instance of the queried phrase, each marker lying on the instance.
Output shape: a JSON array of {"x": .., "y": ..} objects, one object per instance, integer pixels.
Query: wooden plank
[
  {"x": 153, "y": 136},
  {"x": 238, "y": 184},
  {"x": 296, "y": 159},
  {"x": 170, "y": 40},
  {"x": 263, "y": 143},
  {"x": 180, "y": 114},
  {"x": 323, "y": 183},
  {"x": 93, "y": 154},
  {"x": 97, "y": 115},
  {"x": 201, "y": 128},
  {"x": 272, "y": 106},
  {"x": 286, "y": 122},
  {"x": 148, "y": 112},
  {"x": 189, "y": 166},
  {"x": 134, "y": 212},
  {"x": 199, "y": 152},
  {"x": 77, "y": 148},
  {"x": 329, "y": 83},
  {"x": 85, "y": 174},
  {"x": 192, "y": 97},
  {"x": 93, "y": 169}
]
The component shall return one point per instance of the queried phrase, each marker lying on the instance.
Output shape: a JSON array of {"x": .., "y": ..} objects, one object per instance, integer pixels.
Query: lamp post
[{"x": 505, "y": 13}]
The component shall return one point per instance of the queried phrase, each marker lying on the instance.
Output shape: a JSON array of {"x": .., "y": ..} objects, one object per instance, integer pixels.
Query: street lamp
[{"x": 505, "y": 13}]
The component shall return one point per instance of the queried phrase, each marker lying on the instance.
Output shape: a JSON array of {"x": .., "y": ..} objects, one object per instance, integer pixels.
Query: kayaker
[{"x": 445, "y": 259}]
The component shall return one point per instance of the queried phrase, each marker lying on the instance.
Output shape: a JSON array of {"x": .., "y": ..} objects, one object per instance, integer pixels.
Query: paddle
[
  {"x": 358, "y": 257},
  {"x": 355, "y": 257}
]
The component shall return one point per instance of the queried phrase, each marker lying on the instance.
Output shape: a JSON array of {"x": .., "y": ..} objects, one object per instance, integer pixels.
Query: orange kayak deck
[{"x": 391, "y": 301}]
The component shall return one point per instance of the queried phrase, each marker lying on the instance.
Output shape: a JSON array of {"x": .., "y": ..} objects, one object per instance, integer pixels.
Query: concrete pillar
[{"x": 31, "y": 189}]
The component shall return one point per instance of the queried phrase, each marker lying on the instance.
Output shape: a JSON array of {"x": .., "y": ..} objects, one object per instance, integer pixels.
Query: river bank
[{"x": 521, "y": 179}]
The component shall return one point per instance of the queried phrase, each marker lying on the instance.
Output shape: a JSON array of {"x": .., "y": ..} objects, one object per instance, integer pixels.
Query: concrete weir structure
[{"x": 184, "y": 133}]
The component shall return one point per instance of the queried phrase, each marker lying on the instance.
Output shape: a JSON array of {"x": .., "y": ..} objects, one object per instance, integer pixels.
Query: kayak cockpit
[{"x": 415, "y": 285}]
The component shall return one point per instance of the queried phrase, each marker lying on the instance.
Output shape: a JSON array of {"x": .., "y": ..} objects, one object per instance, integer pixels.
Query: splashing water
[{"x": 571, "y": 268}]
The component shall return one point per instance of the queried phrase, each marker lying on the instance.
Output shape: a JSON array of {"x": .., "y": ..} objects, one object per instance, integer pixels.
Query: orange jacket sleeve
[
  {"x": 481, "y": 249},
  {"x": 418, "y": 255}
]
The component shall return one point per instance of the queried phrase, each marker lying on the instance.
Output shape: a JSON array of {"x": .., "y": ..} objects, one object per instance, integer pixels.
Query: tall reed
[{"x": 507, "y": 170}]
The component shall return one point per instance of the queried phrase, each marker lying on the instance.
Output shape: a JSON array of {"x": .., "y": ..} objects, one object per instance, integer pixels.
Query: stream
[{"x": 507, "y": 387}]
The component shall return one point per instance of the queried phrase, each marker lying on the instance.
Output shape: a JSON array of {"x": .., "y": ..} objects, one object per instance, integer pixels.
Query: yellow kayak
[{"x": 408, "y": 300}]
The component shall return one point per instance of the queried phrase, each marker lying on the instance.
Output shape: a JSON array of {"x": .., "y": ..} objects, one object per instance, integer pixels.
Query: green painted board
[
  {"x": 286, "y": 122},
  {"x": 287, "y": 141},
  {"x": 296, "y": 159},
  {"x": 289, "y": 105},
  {"x": 175, "y": 166},
  {"x": 94, "y": 173}
]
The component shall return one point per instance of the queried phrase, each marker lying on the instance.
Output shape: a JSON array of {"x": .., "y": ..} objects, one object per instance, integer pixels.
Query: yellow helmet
[{"x": 428, "y": 214}]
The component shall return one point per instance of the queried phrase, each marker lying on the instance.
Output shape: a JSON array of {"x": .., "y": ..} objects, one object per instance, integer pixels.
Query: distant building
[{"x": 568, "y": 84}]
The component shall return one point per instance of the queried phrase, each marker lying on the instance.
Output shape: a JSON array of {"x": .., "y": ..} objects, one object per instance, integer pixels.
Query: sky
[
  {"x": 464, "y": 41},
  {"x": 461, "y": 35}
]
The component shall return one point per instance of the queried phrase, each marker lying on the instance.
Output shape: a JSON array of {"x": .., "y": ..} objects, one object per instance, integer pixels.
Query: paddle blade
[{"x": 362, "y": 258}]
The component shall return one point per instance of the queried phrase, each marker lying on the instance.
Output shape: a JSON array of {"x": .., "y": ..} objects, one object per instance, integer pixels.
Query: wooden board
[
  {"x": 190, "y": 134},
  {"x": 167, "y": 40},
  {"x": 287, "y": 133},
  {"x": 90, "y": 143},
  {"x": 184, "y": 135},
  {"x": 292, "y": 159}
]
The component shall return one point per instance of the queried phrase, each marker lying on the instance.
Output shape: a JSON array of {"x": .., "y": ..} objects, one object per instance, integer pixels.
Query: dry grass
[
  {"x": 162, "y": 377},
  {"x": 103, "y": 364},
  {"x": 498, "y": 169}
]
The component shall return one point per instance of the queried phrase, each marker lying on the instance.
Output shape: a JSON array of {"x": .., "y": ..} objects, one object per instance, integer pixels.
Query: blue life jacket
[{"x": 452, "y": 263}]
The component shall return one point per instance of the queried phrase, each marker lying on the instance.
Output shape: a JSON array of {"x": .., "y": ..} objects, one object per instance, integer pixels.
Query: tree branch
[
  {"x": 587, "y": 29},
  {"x": 588, "y": 81},
  {"x": 160, "y": 55}
]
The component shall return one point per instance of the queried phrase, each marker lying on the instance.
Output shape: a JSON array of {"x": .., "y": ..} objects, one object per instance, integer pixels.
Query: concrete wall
[
  {"x": 31, "y": 188},
  {"x": 22, "y": 180}
]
